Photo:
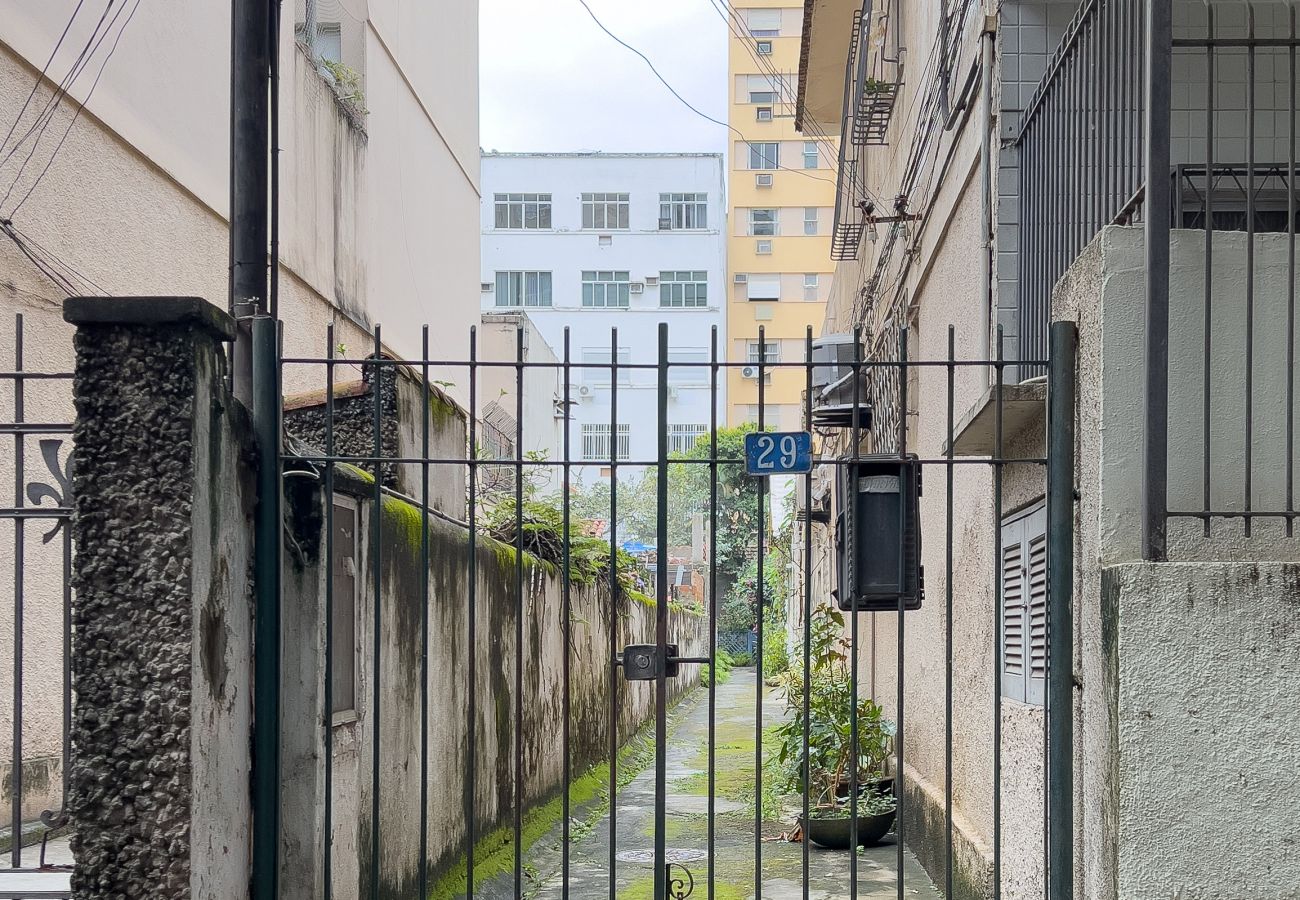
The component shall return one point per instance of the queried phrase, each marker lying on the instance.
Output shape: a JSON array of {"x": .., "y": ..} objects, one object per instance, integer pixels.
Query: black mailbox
[{"x": 878, "y": 534}]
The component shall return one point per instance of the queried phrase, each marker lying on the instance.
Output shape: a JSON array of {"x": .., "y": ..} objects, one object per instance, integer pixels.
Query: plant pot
[
  {"x": 834, "y": 833},
  {"x": 883, "y": 785}
]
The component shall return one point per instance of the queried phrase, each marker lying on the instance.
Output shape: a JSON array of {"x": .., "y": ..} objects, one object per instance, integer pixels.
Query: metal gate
[{"x": 465, "y": 805}]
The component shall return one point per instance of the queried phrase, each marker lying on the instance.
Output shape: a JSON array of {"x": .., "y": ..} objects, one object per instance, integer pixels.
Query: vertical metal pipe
[
  {"x": 614, "y": 617},
  {"x": 377, "y": 595},
  {"x": 1290, "y": 282},
  {"x": 327, "y": 713},
  {"x": 807, "y": 608},
  {"x": 761, "y": 487},
  {"x": 997, "y": 623},
  {"x": 988, "y": 202},
  {"x": 423, "y": 876},
  {"x": 1060, "y": 573},
  {"x": 273, "y": 43},
  {"x": 471, "y": 626},
  {"x": 567, "y": 664},
  {"x": 661, "y": 622},
  {"x": 1249, "y": 454},
  {"x": 1207, "y": 323},
  {"x": 947, "y": 620},
  {"x": 20, "y": 554},
  {"x": 519, "y": 615},
  {"x": 713, "y": 600},
  {"x": 900, "y": 780},
  {"x": 266, "y": 641},
  {"x": 852, "y": 587},
  {"x": 1159, "y": 36}
]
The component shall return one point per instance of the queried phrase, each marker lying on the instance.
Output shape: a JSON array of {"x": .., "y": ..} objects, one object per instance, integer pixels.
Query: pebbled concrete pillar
[{"x": 162, "y": 653}]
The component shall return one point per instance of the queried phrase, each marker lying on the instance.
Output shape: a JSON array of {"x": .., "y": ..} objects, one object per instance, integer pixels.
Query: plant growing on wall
[{"x": 347, "y": 86}]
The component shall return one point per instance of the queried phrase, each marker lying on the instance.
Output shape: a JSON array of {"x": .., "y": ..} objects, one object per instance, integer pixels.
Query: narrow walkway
[{"x": 687, "y": 823}]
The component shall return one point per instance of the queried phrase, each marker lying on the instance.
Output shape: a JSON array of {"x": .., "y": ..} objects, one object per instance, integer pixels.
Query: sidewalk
[{"x": 36, "y": 885}]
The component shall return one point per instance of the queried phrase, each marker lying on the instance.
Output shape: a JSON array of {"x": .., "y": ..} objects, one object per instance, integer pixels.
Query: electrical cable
[
  {"x": 684, "y": 101},
  {"x": 41, "y": 77}
]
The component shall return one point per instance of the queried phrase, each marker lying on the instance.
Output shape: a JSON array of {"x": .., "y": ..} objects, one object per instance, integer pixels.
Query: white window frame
[
  {"x": 763, "y": 114},
  {"x": 595, "y": 442},
  {"x": 760, "y": 160},
  {"x": 773, "y": 353},
  {"x": 811, "y": 224},
  {"x": 763, "y": 225},
  {"x": 599, "y": 207},
  {"x": 811, "y": 286},
  {"x": 683, "y": 435},
  {"x": 518, "y": 289},
  {"x": 1023, "y": 571},
  {"x": 763, "y": 247},
  {"x": 763, "y": 47},
  {"x": 516, "y": 207},
  {"x": 811, "y": 154},
  {"x": 684, "y": 211},
  {"x": 684, "y": 289},
  {"x": 606, "y": 289},
  {"x": 764, "y": 286}
]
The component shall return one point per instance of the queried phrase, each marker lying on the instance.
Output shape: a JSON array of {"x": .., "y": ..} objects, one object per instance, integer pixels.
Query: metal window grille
[
  {"x": 683, "y": 289},
  {"x": 605, "y": 211},
  {"x": 524, "y": 211},
  {"x": 515, "y": 289},
  {"x": 605, "y": 288},
  {"x": 682, "y": 437},
  {"x": 596, "y": 444}
]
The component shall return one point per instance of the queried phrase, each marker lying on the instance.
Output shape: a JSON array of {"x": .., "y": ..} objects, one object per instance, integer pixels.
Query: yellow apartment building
[{"x": 781, "y": 191}]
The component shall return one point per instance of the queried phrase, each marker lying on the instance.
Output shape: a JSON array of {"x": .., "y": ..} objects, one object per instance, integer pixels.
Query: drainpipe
[{"x": 987, "y": 162}]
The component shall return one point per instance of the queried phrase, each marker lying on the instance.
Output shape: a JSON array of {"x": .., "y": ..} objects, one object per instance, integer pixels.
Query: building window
[
  {"x": 764, "y": 114},
  {"x": 763, "y": 23},
  {"x": 810, "y": 155},
  {"x": 763, "y": 248},
  {"x": 605, "y": 211},
  {"x": 688, "y": 365},
  {"x": 605, "y": 289},
  {"x": 762, "y": 222},
  {"x": 595, "y": 442},
  {"x": 683, "y": 289},
  {"x": 811, "y": 283},
  {"x": 764, "y": 48},
  {"x": 683, "y": 211},
  {"x": 343, "y": 615},
  {"x": 772, "y": 352},
  {"x": 597, "y": 367},
  {"x": 764, "y": 154},
  {"x": 681, "y": 438},
  {"x": 810, "y": 220},
  {"x": 329, "y": 41},
  {"x": 522, "y": 211},
  {"x": 1024, "y": 606},
  {"x": 523, "y": 289},
  {"x": 762, "y": 96},
  {"x": 764, "y": 286}
]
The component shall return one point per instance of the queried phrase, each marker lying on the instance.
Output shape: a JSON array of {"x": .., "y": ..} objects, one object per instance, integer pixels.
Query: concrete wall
[
  {"x": 400, "y": 692},
  {"x": 543, "y": 387}
]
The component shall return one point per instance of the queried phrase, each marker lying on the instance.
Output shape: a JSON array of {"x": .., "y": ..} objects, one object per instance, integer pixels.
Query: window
[
  {"x": 599, "y": 356},
  {"x": 763, "y": 248},
  {"x": 523, "y": 289},
  {"x": 764, "y": 48},
  {"x": 682, "y": 438},
  {"x": 764, "y": 155},
  {"x": 810, "y": 220},
  {"x": 762, "y": 96},
  {"x": 595, "y": 442},
  {"x": 605, "y": 289},
  {"x": 764, "y": 114},
  {"x": 343, "y": 576},
  {"x": 1024, "y": 606},
  {"x": 688, "y": 374},
  {"x": 766, "y": 286},
  {"x": 811, "y": 283},
  {"x": 683, "y": 289},
  {"x": 763, "y": 22},
  {"x": 810, "y": 155},
  {"x": 604, "y": 211},
  {"x": 683, "y": 211},
  {"x": 762, "y": 222},
  {"x": 522, "y": 211},
  {"x": 772, "y": 352}
]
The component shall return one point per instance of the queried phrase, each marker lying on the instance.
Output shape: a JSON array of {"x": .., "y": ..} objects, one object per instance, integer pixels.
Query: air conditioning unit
[
  {"x": 485, "y": 287},
  {"x": 763, "y": 248},
  {"x": 834, "y": 385},
  {"x": 651, "y": 280},
  {"x": 749, "y": 372},
  {"x": 741, "y": 278},
  {"x": 763, "y": 180},
  {"x": 636, "y": 287},
  {"x": 665, "y": 224},
  {"x": 585, "y": 391}
]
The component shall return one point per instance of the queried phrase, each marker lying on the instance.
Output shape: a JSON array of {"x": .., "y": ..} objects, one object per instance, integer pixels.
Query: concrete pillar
[{"x": 162, "y": 653}]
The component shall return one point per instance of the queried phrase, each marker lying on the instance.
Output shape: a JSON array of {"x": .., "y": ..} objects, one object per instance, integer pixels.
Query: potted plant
[{"x": 828, "y": 771}]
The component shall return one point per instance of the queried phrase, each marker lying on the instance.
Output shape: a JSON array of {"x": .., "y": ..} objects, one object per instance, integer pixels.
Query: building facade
[
  {"x": 600, "y": 244},
  {"x": 781, "y": 191}
]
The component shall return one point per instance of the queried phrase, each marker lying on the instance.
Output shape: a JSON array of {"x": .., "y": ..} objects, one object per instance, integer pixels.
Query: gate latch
[{"x": 641, "y": 662}]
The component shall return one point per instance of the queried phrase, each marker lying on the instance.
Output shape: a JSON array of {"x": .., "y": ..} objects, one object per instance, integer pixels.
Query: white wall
[{"x": 642, "y": 250}]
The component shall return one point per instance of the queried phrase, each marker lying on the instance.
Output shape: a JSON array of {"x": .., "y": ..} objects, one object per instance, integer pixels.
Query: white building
[{"x": 594, "y": 242}]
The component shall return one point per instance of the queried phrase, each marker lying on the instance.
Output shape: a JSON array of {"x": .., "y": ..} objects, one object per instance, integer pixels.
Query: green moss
[
  {"x": 405, "y": 520},
  {"x": 643, "y": 888},
  {"x": 357, "y": 472}
]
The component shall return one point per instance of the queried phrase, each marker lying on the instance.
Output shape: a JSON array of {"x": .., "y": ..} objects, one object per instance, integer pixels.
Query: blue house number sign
[{"x": 778, "y": 452}]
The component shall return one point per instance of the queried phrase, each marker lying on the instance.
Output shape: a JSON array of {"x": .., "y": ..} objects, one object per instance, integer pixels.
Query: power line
[
  {"x": 41, "y": 77},
  {"x": 684, "y": 101}
]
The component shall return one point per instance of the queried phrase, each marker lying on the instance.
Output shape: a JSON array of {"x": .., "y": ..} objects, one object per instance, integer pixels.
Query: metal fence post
[
  {"x": 1159, "y": 53},
  {"x": 1060, "y": 618}
]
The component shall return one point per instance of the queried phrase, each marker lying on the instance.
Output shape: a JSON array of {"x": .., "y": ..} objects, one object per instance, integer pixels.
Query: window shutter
[
  {"x": 1036, "y": 605},
  {"x": 1014, "y": 626}
]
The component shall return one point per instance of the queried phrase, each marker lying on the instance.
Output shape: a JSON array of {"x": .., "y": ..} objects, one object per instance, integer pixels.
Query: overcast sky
[{"x": 551, "y": 80}]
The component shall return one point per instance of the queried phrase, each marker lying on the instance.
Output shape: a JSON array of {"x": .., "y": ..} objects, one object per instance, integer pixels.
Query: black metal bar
[
  {"x": 948, "y": 606},
  {"x": 20, "y": 554},
  {"x": 761, "y": 487},
  {"x": 900, "y": 780},
  {"x": 423, "y": 878},
  {"x": 807, "y": 612},
  {"x": 613, "y": 620},
  {"x": 661, "y": 624},
  {"x": 1207, "y": 325},
  {"x": 567, "y": 662},
  {"x": 532, "y": 463},
  {"x": 713, "y": 598},
  {"x": 1249, "y": 454},
  {"x": 376, "y": 559},
  {"x": 997, "y": 632},
  {"x": 273, "y": 163},
  {"x": 519, "y": 619},
  {"x": 471, "y": 625},
  {"x": 1159, "y": 31},
  {"x": 1060, "y": 572},
  {"x": 327, "y": 713},
  {"x": 1290, "y": 281},
  {"x": 868, "y": 365},
  {"x": 266, "y": 643},
  {"x": 854, "y": 645}
]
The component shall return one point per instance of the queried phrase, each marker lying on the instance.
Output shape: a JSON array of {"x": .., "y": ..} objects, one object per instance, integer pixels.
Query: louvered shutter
[
  {"x": 1035, "y": 542},
  {"x": 1014, "y": 626}
]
